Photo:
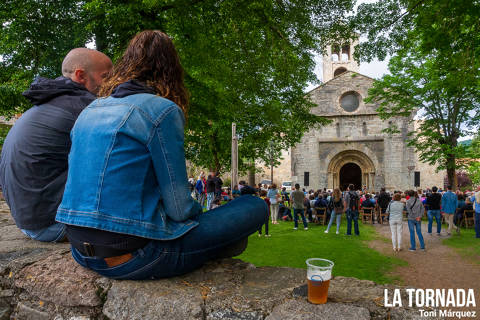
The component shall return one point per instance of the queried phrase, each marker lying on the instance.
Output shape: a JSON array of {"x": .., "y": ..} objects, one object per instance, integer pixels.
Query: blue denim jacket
[
  {"x": 449, "y": 202},
  {"x": 127, "y": 170}
]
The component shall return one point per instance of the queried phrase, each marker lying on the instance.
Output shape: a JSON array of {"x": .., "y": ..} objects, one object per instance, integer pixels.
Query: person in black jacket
[
  {"x": 33, "y": 166},
  {"x": 434, "y": 201},
  {"x": 210, "y": 189}
]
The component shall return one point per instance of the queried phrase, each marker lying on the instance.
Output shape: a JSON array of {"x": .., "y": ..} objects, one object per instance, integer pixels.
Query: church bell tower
[{"x": 339, "y": 58}]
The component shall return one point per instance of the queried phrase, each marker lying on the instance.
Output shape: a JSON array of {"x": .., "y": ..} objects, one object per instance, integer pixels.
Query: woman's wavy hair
[{"x": 150, "y": 58}]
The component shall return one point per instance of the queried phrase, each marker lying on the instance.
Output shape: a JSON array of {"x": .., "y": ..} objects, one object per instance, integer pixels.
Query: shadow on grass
[{"x": 352, "y": 256}]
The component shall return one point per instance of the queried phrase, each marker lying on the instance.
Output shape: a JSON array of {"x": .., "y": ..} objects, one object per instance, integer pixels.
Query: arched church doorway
[
  {"x": 351, "y": 166},
  {"x": 350, "y": 173}
]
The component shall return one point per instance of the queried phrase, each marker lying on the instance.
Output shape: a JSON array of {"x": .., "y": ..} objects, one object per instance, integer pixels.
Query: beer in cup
[{"x": 319, "y": 273}]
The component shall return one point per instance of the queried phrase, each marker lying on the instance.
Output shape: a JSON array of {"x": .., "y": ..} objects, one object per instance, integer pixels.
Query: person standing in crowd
[
  {"x": 298, "y": 196},
  {"x": 415, "y": 211},
  {"x": 210, "y": 189},
  {"x": 34, "y": 161},
  {"x": 139, "y": 221},
  {"x": 337, "y": 205},
  {"x": 285, "y": 197},
  {"x": 382, "y": 201},
  {"x": 200, "y": 189},
  {"x": 476, "y": 202},
  {"x": 352, "y": 203},
  {"x": 218, "y": 185},
  {"x": 449, "y": 207},
  {"x": 434, "y": 200},
  {"x": 273, "y": 195},
  {"x": 395, "y": 211},
  {"x": 263, "y": 195}
]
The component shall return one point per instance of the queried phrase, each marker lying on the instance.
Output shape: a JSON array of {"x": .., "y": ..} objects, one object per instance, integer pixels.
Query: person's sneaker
[
  {"x": 438, "y": 234},
  {"x": 326, "y": 231},
  {"x": 411, "y": 250},
  {"x": 268, "y": 235},
  {"x": 423, "y": 249},
  {"x": 295, "y": 228},
  {"x": 305, "y": 228},
  {"x": 338, "y": 232},
  {"x": 431, "y": 234},
  {"x": 259, "y": 234}
]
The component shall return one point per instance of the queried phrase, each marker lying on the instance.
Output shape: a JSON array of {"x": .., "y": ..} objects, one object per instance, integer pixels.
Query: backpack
[{"x": 352, "y": 204}]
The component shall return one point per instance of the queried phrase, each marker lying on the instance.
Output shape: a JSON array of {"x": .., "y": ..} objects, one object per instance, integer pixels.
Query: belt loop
[{"x": 89, "y": 249}]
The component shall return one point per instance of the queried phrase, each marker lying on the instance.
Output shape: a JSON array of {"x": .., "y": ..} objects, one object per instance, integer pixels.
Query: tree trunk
[
  {"x": 451, "y": 172},
  {"x": 251, "y": 174}
]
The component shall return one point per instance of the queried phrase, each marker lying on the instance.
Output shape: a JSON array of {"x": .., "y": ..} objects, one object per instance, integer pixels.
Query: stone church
[{"x": 353, "y": 148}]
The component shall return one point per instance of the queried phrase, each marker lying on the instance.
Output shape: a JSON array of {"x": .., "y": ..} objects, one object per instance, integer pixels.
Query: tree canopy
[
  {"x": 435, "y": 70},
  {"x": 245, "y": 61}
]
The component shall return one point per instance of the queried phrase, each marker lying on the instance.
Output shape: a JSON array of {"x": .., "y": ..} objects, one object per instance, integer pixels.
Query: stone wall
[
  {"x": 360, "y": 130},
  {"x": 41, "y": 281}
]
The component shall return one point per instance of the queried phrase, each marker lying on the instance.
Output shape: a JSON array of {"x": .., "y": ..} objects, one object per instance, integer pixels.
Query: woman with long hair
[
  {"x": 127, "y": 205},
  {"x": 336, "y": 203}
]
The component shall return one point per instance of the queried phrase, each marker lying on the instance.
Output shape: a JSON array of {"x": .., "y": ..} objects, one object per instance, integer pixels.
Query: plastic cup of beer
[{"x": 319, "y": 273}]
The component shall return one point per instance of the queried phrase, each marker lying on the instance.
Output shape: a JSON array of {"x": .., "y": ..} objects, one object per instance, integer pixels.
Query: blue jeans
[
  {"x": 352, "y": 215},
  {"x": 332, "y": 217},
  {"x": 477, "y": 224},
  {"x": 210, "y": 197},
  {"x": 296, "y": 212},
  {"x": 218, "y": 229},
  {"x": 438, "y": 218},
  {"x": 54, "y": 233},
  {"x": 414, "y": 225}
]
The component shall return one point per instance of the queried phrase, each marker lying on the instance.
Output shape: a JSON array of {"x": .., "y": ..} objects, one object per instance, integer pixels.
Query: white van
[{"x": 287, "y": 185}]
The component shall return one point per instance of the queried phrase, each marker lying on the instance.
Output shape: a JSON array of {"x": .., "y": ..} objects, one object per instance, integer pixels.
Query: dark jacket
[
  {"x": 434, "y": 201},
  {"x": 210, "y": 184},
  {"x": 383, "y": 200},
  {"x": 218, "y": 184},
  {"x": 34, "y": 161}
]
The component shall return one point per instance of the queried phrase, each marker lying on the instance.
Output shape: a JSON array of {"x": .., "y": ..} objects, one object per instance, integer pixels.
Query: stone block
[
  {"x": 60, "y": 280},
  {"x": 302, "y": 310}
]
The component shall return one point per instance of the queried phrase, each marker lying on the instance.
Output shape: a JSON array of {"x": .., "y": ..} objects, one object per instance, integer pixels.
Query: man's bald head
[{"x": 87, "y": 67}]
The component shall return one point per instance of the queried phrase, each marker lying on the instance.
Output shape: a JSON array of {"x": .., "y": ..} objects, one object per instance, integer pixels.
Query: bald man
[{"x": 34, "y": 161}]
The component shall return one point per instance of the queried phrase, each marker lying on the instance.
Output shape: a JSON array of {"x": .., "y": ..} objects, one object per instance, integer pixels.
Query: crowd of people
[
  {"x": 383, "y": 205},
  {"x": 99, "y": 161}
]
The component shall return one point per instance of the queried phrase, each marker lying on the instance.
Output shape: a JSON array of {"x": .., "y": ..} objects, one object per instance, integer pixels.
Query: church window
[
  {"x": 350, "y": 101},
  {"x": 346, "y": 53},
  {"x": 339, "y": 71},
  {"x": 306, "y": 178},
  {"x": 364, "y": 129}
]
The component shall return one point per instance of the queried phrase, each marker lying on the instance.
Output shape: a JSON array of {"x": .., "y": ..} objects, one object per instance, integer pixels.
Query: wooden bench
[
  {"x": 367, "y": 215},
  {"x": 468, "y": 218},
  {"x": 320, "y": 215}
]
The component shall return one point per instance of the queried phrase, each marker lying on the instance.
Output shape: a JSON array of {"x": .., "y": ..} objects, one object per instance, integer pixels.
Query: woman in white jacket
[{"x": 395, "y": 211}]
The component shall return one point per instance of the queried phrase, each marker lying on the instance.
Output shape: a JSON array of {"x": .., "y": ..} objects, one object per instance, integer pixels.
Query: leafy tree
[
  {"x": 245, "y": 61},
  {"x": 36, "y": 35},
  {"x": 445, "y": 97},
  {"x": 435, "y": 69},
  {"x": 473, "y": 166}
]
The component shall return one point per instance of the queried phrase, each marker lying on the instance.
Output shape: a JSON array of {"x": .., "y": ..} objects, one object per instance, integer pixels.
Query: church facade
[{"x": 353, "y": 148}]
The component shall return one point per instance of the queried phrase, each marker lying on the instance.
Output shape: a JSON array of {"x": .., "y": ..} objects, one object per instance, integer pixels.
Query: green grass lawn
[
  {"x": 466, "y": 244},
  {"x": 351, "y": 255}
]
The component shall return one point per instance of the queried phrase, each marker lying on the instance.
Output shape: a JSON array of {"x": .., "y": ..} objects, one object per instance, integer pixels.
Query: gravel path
[{"x": 439, "y": 266}]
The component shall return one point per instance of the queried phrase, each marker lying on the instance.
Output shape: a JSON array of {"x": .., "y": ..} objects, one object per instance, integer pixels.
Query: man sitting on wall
[{"x": 34, "y": 162}]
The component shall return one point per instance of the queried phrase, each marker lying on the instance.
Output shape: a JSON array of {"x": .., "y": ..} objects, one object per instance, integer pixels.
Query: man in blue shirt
[
  {"x": 449, "y": 207},
  {"x": 476, "y": 203}
]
